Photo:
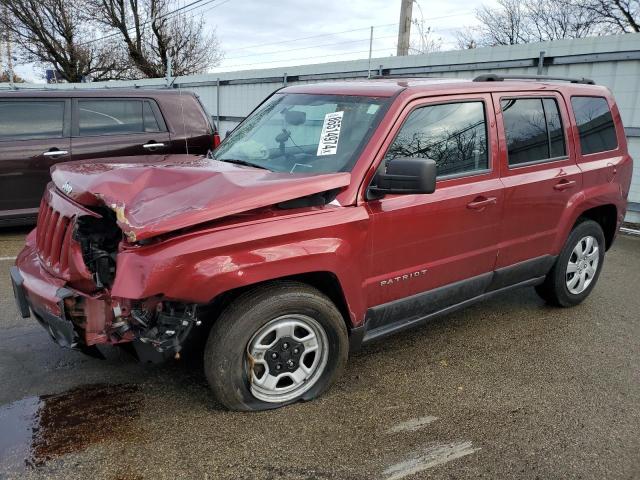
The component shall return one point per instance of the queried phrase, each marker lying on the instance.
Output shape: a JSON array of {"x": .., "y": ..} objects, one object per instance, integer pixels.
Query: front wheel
[
  {"x": 275, "y": 345},
  {"x": 577, "y": 268}
]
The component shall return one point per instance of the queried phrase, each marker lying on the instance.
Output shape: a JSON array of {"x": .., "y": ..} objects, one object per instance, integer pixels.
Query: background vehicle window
[
  {"x": 595, "y": 124},
  {"x": 31, "y": 120},
  {"x": 110, "y": 117},
  {"x": 150, "y": 120},
  {"x": 533, "y": 129},
  {"x": 452, "y": 134}
]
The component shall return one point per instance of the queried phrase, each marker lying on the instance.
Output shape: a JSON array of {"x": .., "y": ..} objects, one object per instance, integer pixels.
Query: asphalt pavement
[{"x": 510, "y": 388}]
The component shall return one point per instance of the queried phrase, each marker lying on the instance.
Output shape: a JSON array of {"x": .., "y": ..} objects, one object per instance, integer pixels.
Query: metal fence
[{"x": 613, "y": 61}]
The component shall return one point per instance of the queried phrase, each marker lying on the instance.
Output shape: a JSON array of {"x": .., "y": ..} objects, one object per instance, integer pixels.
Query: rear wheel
[
  {"x": 275, "y": 345},
  {"x": 577, "y": 268}
]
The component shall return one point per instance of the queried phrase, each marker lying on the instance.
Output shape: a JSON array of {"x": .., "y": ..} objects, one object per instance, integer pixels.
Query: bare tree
[
  {"x": 514, "y": 22},
  {"x": 622, "y": 16},
  {"x": 54, "y": 33},
  {"x": 503, "y": 25},
  {"x": 152, "y": 32},
  {"x": 556, "y": 19},
  {"x": 466, "y": 38},
  {"x": 5, "y": 77},
  {"x": 426, "y": 42}
]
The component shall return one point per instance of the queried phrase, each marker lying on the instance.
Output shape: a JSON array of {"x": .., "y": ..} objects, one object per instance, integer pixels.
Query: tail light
[{"x": 216, "y": 139}]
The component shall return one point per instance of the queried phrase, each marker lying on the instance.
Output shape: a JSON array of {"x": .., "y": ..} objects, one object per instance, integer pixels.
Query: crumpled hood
[{"x": 170, "y": 192}]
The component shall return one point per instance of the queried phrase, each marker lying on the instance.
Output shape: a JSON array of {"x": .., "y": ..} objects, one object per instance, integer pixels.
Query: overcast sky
[{"x": 273, "y": 33}]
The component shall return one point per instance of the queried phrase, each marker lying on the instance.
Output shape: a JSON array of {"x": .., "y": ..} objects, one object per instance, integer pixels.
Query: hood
[{"x": 170, "y": 192}]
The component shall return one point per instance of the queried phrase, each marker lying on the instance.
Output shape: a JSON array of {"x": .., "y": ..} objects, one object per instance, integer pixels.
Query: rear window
[
  {"x": 595, "y": 124},
  {"x": 31, "y": 120},
  {"x": 533, "y": 129},
  {"x": 115, "y": 117}
]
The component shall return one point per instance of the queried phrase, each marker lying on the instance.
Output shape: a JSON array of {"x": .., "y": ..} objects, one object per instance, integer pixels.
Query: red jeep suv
[{"x": 334, "y": 215}]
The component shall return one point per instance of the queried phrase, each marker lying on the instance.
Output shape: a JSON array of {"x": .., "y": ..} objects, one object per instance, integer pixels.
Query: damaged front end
[
  {"x": 64, "y": 277},
  {"x": 149, "y": 325}
]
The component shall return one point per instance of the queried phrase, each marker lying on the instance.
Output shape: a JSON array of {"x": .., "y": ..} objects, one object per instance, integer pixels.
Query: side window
[
  {"x": 533, "y": 129},
  {"x": 595, "y": 124},
  {"x": 454, "y": 135},
  {"x": 110, "y": 117},
  {"x": 31, "y": 120}
]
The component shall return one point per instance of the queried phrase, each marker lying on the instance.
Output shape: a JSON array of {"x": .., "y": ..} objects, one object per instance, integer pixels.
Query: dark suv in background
[{"x": 41, "y": 128}]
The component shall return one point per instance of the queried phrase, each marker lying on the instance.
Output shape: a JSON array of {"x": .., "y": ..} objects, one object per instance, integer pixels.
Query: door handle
[
  {"x": 479, "y": 203},
  {"x": 564, "y": 185},
  {"x": 153, "y": 146},
  {"x": 55, "y": 153}
]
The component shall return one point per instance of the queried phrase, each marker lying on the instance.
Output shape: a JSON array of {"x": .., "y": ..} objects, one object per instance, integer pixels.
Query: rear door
[
  {"x": 34, "y": 135},
  {"x": 540, "y": 175},
  {"x": 115, "y": 127},
  {"x": 422, "y": 242}
]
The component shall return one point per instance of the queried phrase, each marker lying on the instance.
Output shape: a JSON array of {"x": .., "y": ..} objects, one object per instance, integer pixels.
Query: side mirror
[{"x": 405, "y": 175}]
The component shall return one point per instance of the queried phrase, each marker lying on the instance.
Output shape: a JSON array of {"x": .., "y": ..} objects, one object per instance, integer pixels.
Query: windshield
[{"x": 302, "y": 133}]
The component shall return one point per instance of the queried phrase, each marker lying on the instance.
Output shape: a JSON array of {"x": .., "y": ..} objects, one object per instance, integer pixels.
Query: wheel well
[
  {"x": 326, "y": 282},
  {"x": 607, "y": 217}
]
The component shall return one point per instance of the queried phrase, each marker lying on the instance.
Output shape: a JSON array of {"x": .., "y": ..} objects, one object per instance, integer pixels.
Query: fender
[
  {"x": 586, "y": 199},
  {"x": 199, "y": 266}
]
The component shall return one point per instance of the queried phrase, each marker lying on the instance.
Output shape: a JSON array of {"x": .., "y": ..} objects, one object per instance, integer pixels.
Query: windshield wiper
[{"x": 241, "y": 162}]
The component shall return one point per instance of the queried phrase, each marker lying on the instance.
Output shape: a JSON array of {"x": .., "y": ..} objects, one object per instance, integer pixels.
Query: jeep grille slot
[{"x": 53, "y": 237}]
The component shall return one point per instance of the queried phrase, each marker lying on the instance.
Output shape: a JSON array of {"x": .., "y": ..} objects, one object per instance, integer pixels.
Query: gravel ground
[{"x": 510, "y": 388}]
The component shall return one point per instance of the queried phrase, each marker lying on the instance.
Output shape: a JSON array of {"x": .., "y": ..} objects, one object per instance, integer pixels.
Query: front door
[{"x": 448, "y": 238}]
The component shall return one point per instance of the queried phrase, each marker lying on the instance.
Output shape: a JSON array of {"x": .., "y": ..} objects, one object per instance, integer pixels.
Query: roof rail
[{"x": 493, "y": 77}]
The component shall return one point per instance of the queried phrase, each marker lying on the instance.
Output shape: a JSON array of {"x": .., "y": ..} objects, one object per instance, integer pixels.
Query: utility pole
[{"x": 404, "y": 29}]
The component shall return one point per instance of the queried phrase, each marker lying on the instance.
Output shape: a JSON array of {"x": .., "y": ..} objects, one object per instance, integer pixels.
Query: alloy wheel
[{"x": 583, "y": 265}]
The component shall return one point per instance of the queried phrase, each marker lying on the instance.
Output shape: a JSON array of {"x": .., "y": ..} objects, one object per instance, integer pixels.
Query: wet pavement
[{"x": 510, "y": 388}]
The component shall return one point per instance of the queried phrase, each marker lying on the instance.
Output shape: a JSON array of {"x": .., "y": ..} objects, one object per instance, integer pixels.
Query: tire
[
  {"x": 295, "y": 314},
  {"x": 563, "y": 288}
]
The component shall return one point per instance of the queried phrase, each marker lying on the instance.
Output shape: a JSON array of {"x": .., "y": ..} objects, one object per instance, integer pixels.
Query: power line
[
  {"x": 312, "y": 36},
  {"x": 164, "y": 15},
  {"x": 305, "y": 58},
  {"x": 210, "y": 8},
  {"x": 275, "y": 52},
  {"x": 440, "y": 17}
]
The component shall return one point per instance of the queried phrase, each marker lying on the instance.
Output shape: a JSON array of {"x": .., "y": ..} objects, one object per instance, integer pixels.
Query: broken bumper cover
[
  {"x": 38, "y": 292},
  {"x": 61, "y": 330}
]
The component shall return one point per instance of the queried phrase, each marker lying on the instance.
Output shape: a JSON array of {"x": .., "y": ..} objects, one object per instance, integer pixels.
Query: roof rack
[{"x": 493, "y": 77}]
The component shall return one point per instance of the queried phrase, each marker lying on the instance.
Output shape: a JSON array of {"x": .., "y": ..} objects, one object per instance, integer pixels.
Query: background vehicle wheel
[
  {"x": 274, "y": 345},
  {"x": 577, "y": 268}
]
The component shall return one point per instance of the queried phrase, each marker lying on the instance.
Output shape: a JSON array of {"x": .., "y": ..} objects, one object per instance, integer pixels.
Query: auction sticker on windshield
[{"x": 330, "y": 134}]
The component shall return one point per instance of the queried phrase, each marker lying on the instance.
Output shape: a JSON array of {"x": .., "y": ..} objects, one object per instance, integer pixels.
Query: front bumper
[
  {"x": 62, "y": 330},
  {"x": 38, "y": 292}
]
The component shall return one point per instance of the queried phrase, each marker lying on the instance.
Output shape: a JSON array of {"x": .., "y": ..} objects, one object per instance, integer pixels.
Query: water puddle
[{"x": 37, "y": 429}]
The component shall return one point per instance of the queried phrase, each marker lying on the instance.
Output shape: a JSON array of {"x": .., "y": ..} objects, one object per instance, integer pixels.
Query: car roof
[
  {"x": 91, "y": 92},
  {"x": 389, "y": 87}
]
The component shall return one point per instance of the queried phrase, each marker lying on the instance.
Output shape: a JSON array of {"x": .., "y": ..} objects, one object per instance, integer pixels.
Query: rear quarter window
[{"x": 595, "y": 124}]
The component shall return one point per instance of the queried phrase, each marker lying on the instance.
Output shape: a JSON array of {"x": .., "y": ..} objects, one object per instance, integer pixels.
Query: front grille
[{"x": 53, "y": 237}]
